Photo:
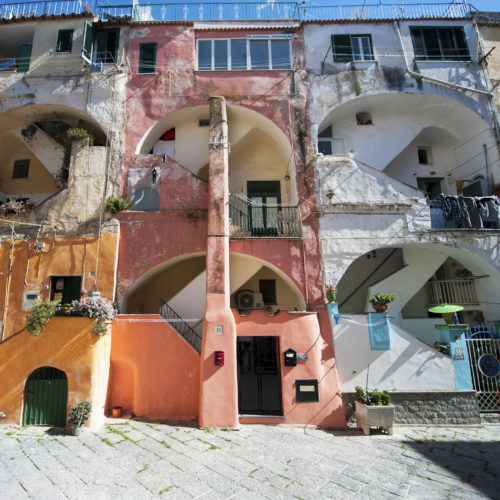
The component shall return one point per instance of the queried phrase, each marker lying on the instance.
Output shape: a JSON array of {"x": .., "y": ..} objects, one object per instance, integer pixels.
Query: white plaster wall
[
  {"x": 423, "y": 329},
  {"x": 410, "y": 365}
]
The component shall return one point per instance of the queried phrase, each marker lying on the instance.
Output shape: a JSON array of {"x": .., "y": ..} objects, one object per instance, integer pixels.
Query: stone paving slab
[{"x": 141, "y": 460}]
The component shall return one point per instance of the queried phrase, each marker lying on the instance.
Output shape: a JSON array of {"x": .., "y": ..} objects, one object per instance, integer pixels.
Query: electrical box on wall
[
  {"x": 29, "y": 298},
  {"x": 306, "y": 391},
  {"x": 219, "y": 358},
  {"x": 290, "y": 357}
]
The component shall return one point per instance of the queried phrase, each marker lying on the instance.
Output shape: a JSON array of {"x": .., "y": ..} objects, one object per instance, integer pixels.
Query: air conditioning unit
[
  {"x": 478, "y": 187},
  {"x": 250, "y": 300}
]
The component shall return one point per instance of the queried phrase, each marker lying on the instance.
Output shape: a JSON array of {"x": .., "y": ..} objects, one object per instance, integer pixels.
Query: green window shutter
[
  {"x": 88, "y": 39},
  {"x": 342, "y": 48},
  {"x": 147, "y": 58}
]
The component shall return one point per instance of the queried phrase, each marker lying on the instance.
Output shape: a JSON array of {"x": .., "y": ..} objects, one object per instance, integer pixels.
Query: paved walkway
[{"x": 131, "y": 459}]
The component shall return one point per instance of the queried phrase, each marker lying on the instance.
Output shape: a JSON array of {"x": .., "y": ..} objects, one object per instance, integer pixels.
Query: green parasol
[{"x": 445, "y": 309}]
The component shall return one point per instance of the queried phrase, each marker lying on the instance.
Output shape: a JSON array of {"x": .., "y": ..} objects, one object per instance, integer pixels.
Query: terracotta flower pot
[
  {"x": 117, "y": 411},
  {"x": 381, "y": 309}
]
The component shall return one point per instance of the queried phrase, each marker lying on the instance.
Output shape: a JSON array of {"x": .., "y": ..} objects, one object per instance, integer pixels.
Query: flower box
[{"x": 374, "y": 416}]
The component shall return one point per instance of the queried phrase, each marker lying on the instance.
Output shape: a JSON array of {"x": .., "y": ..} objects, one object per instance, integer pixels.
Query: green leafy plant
[
  {"x": 374, "y": 398},
  {"x": 80, "y": 134},
  {"x": 115, "y": 204},
  {"x": 39, "y": 315},
  {"x": 382, "y": 299},
  {"x": 80, "y": 413}
]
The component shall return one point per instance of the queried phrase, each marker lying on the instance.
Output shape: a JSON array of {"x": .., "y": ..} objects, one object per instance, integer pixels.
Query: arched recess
[
  {"x": 259, "y": 150},
  {"x": 181, "y": 282},
  {"x": 414, "y": 136},
  {"x": 45, "y": 397},
  {"x": 422, "y": 275},
  {"x": 35, "y": 147}
]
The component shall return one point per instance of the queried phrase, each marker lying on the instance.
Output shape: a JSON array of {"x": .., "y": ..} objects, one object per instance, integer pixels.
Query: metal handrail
[
  {"x": 237, "y": 11},
  {"x": 192, "y": 337},
  {"x": 455, "y": 291}
]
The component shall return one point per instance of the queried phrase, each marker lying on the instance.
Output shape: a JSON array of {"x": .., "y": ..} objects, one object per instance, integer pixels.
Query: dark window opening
[
  {"x": 21, "y": 169},
  {"x": 268, "y": 290},
  {"x": 439, "y": 44},
  {"x": 423, "y": 156},
  {"x": 100, "y": 45},
  {"x": 352, "y": 48},
  {"x": 147, "y": 58},
  {"x": 364, "y": 118},
  {"x": 64, "y": 41},
  {"x": 65, "y": 289}
]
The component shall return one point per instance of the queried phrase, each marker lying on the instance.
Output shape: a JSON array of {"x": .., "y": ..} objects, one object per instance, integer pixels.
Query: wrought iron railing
[
  {"x": 217, "y": 11},
  {"x": 192, "y": 337},
  {"x": 247, "y": 219},
  {"x": 455, "y": 291},
  {"x": 483, "y": 362},
  {"x": 144, "y": 10}
]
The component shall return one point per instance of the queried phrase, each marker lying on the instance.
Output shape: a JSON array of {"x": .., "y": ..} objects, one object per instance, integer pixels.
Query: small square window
[
  {"x": 64, "y": 41},
  {"x": 364, "y": 118},
  {"x": 21, "y": 169}
]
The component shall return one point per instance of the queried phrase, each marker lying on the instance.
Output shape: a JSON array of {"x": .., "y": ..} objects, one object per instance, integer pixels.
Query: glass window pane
[
  {"x": 205, "y": 54},
  {"x": 327, "y": 132},
  {"x": 280, "y": 51},
  {"x": 259, "y": 54},
  {"x": 447, "y": 43},
  {"x": 367, "y": 51},
  {"x": 356, "y": 48},
  {"x": 147, "y": 58},
  {"x": 431, "y": 43},
  {"x": 238, "y": 54},
  {"x": 220, "y": 54}
]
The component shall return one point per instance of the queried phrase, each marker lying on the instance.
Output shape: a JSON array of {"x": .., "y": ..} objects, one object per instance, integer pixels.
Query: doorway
[
  {"x": 45, "y": 397},
  {"x": 264, "y": 215},
  {"x": 431, "y": 186},
  {"x": 259, "y": 376}
]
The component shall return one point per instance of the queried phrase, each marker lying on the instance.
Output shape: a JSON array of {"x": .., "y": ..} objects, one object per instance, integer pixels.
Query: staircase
[{"x": 192, "y": 337}]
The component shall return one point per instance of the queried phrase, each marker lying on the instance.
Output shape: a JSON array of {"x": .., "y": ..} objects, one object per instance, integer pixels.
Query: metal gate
[
  {"x": 484, "y": 361},
  {"x": 45, "y": 397}
]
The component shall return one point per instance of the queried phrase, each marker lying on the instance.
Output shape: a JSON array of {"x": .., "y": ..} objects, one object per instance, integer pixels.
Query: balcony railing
[
  {"x": 190, "y": 10},
  {"x": 249, "y": 219},
  {"x": 456, "y": 291},
  {"x": 364, "y": 12}
]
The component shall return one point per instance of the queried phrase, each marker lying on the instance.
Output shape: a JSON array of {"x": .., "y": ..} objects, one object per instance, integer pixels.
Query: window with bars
[
  {"x": 251, "y": 53},
  {"x": 439, "y": 44},
  {"x": 352, "y": 48}
]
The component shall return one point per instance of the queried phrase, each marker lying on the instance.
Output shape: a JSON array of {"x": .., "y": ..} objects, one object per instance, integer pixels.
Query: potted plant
[
  {"x": 39, "y": 315},
  {"x": 331, "y": 293},
  {"x": 381, "y": 301},
  {"x": 96, "y": 307},
  {"x": 78, "y": 415},
  {"x": 373, "y": 409},
  {"x": 66, "y": 308}
]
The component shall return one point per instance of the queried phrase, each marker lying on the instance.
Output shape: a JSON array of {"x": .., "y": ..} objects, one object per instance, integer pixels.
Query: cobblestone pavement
[{"x": 132, "y": 459}]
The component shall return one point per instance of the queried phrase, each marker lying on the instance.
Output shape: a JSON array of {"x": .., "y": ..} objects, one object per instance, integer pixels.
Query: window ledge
[{"x": 240, "y": 70}]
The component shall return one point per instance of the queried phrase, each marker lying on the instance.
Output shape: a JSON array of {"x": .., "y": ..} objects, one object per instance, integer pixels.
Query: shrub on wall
[
  {"x": 115, "y": 204},
  {"x": 39, "y": 315}
]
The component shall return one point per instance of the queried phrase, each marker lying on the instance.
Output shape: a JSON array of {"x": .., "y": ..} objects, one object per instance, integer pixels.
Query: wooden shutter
[{"x": 88, "y": 39}]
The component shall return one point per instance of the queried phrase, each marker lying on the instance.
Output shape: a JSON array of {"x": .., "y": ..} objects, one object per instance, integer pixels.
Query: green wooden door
[{"x": 45, "y": 397}]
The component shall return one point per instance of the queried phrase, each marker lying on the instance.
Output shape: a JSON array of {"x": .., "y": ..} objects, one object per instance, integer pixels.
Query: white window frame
[
  {"x": 363, "y": 56},
  {"x": 249, "y": 38}
]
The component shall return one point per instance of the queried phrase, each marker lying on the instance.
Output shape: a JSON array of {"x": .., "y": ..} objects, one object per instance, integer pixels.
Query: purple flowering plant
[{"x": 96, "y": 307}]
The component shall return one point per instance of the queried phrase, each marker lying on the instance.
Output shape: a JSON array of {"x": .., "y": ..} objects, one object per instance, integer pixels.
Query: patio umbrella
[{"x": 447, "y": 310}]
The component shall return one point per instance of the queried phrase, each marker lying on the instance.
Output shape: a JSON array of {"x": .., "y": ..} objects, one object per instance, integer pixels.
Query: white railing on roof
[
  {"x": 145, "y": 10},
  {"x": 450, "y": 10}
]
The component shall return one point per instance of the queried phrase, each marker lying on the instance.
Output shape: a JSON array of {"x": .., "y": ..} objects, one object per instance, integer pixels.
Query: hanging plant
[
  {"x": 39, "y": 315},
  {"x": 96, "y": 307}
]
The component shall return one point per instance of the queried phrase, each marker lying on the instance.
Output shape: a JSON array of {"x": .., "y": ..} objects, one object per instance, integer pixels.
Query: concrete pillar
[{"x": 218, "y": 384}]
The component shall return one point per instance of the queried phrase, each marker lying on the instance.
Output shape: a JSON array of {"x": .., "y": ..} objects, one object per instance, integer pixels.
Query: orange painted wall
[
  {"x": 66, "y": 344},
  {"x": 154, "y": 372},
  {"x": 60, "y": 256},
  {"x": 301, "y": 332}
]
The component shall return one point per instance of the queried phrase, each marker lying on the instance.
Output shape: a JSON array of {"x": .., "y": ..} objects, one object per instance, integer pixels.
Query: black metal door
[
  {"x": 45, "y": 397},
  {"x": 259, "y": 377}
]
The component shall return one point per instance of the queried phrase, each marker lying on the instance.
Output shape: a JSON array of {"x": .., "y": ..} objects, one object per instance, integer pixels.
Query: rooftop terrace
[{"x": 145, "y": 10}]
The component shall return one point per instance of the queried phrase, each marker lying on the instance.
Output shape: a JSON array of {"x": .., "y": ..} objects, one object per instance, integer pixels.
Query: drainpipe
[{"x": 430, "y": 78}]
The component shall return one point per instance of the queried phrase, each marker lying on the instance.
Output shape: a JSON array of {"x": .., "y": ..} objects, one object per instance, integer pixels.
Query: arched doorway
[{"x": 45, "y": 397}]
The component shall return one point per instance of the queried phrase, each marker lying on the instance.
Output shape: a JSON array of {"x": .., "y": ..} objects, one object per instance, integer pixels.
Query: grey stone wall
[{"x": 433, "y": 408}]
